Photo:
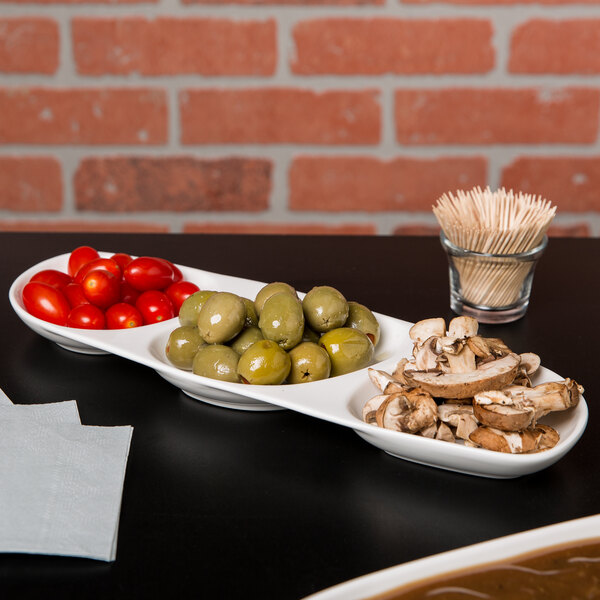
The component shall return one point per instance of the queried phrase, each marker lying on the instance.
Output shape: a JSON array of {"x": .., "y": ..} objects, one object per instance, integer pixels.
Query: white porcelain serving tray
[
  {"x": 338, "y": 400},
  {"x": 387, "y": 580}
]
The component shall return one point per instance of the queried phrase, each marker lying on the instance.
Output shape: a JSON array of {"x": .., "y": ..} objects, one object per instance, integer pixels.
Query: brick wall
[{"x": 293, "y": 116}]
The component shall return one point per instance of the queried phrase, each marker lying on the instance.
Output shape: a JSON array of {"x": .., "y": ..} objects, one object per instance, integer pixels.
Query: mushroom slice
[
  {"x": 530, "y": 362},
  {"x": 462, "y": 327},
  {"x": 534, "y": 439},
  {"x": 384, "y": 382},
  {"x": 370, "y": 408},
  {"x": 444, "y": 433},
  {"x": 459, "y": 357},
  {"x": 495, "y": 409},
  {"x": 410, "y": 412},
  {"x": 423, "y": 330},
  {"x": 426, "y": 357},
  {"x": 459, "y": 416},
  {"x": 398, "y": 372},
  {"x": 492, "y": 375},
  {"x": 546, "y": 397}
]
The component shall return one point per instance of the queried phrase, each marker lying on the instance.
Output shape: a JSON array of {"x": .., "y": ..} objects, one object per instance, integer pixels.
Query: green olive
[
  {"x": 246, "y": 338},
  {"x": 182, "y": 346},
  {"x": 349, "y": 349},
  {"x": 269, "y": 290},
  {"x": 217, "y": 362},
  {"x": 251, "y": 316},
  {"x": 221, "y": 317},
  {"x": 188, "y": 313},
  {"x": 264, "y": 363},
  {"x": 310, "y": 362},
  {"x": 361, "y": 318},
  {"x": 282, "y": 320},
  {"x": 325, "y": 308}
]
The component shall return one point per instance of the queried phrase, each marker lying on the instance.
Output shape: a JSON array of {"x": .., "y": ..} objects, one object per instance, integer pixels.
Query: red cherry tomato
[
  {"x": 86, "y": 316},
  {"x": 177, "y": 274},
  {"x": 107, "y": 264},
  {"x": 79, "y": 257},
  {"x": 122, "y": 259},
  {"x": 101, "y": 288},
  {"x": 74, "y": 294},
  {"x": 179, "y": 291},
  {"x": 46, "y": 302},
  {"x": 147, "y": 273},
  {"x": 52, "y": 277},
  {"x": 155, "y": 306},
  {"x": 128, "y": 293},
  {"x": 123, "y": 316}
]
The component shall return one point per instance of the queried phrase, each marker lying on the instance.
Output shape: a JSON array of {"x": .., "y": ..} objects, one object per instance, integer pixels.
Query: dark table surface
[{"x": 221, "y": 503}]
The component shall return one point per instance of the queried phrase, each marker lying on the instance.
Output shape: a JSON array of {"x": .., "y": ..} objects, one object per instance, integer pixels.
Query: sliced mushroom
[
  {"x": 530, "y": 362},
  {"x": 459, "y": 416},
  {"x": 462, "y": 327},
  {"x": 370, "y": 408},
  {"x": 398, "y": 372},
  {"x": 384, "y": 382},
  {"x": 534, "y": 439},
  {"x": 410, "y": 412},
  {"x": 423, "y": 330},
  {"x": 495, "y": 409},
  {"x": 546, "y": 397},
  {"x": 444, "y": 433},
  {"x": 426, "y": 357},
  {"x": 458, "y": 356},
  {"x": 492, "y": 375},
  {"x": 487, "y": 349}
]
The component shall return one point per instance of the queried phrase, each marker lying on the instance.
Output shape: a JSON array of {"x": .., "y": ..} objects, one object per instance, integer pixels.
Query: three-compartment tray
[{"x": 339, "y": 399}]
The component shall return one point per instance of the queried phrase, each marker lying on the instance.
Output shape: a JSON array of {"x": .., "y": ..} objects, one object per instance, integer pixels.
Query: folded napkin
[{"x": 61, "y": 482}]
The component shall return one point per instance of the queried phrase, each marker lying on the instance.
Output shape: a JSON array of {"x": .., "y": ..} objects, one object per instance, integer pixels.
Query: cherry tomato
[
  {"x": 179, "y": 291},
  {"x": 122, "y": 259},
  {"x": 46, "y": 302},
  {"x": 79, "y": 257},
  {"x": 123, "y": 316},
  {"x": 147, "y": 273},
  {"x": 101, "y": 288},
  {"x": 128, "y": 293},
  {"x": 177, "y": 274},
  {"x": 74, "y": 294},
  {"x": 52, "y": 277},
  {"x": 107, "y": 264},
  {"x": 155, "y": 306},
  {"x": 86, "y": 316}
]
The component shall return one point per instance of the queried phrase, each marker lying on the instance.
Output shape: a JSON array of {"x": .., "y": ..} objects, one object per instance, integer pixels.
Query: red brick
[
  {"x": 370, "y": 185},
  {"x": 429, "y": 230},
  {"x": 167, "y": 46},
  {"x": 289, "y": 2},
  {"x": 377, "y": 46},
  {"x": 175, "y": 184},
  {"x": 578, "y": 230},
  {"x": 28, "y": 45},
  {"x": 572, "y": 183},
  {"x": 282, "y": 228},
  {"x": 542, "y": 46},
  {"x": 78, "y": 116},
  {"x": 276, "y": 115},
  {"x": 91, "y": 226},
  {"x": 30, "y": 184},
  {"x": 497, "y": 116}
]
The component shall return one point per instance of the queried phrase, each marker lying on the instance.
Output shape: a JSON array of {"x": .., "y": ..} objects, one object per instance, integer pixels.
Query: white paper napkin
[
  {"x": 4, "y": 399},
  {"x": 61, "y": 483}
]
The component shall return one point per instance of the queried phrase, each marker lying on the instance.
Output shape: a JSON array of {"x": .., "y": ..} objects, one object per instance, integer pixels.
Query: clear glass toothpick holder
[{"x": 493, "y": 288}]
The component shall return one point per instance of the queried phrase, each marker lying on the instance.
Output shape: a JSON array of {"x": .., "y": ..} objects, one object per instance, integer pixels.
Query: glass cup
[{"x": 493, "y": 288}]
